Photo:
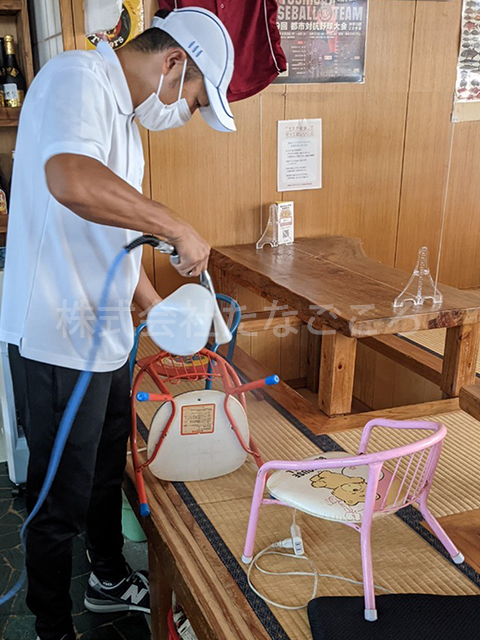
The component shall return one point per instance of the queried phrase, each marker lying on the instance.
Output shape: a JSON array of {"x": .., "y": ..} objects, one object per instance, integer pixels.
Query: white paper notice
[{"x": 299, "y": 161}]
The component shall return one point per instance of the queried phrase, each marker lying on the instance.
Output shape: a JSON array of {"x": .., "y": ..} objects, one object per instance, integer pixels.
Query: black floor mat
[{"x": 400, "y": 617}]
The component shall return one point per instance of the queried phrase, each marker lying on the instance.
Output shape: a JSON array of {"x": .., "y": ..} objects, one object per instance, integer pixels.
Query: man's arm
[
  {"x": 92, "y": 191},
  {"x": 145, "y": 294}
]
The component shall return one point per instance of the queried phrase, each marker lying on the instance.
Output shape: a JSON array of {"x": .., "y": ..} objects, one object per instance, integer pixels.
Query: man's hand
[{"x": 192, "y": 250}]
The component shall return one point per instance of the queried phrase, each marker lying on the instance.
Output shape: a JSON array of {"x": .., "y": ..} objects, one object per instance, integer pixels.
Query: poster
[
  {"x": 467, "y": 91},
  {"x": 130, "y": 25},
  {"x": 324, "y": 40},
  {"x": 299, "y": 151}
]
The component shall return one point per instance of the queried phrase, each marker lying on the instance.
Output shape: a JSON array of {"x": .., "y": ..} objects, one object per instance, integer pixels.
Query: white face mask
[{"x": 154, "y": 115}]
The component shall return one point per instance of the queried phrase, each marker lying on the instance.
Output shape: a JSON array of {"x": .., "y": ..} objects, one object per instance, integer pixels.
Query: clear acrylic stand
[
  {"x": 270, "y": 235},
  {"x": 426, "y": 288}
]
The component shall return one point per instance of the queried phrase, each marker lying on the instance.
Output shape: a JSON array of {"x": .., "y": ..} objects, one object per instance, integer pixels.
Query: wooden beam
[
  {"x": 265, "y": 321},
  {"x": 408, "y": 355},
  {"x": 68, "y": 30},
  {"x": 10, "y": 7},
  {"x": 407, "y": 412},
  {"x": 24, "y": 42},
  {"x": 79, "y": 24},
  {"x": 460, "y": 358},
  {"x": 470, "y": 400},
  {"x": 337, "y": 370}
]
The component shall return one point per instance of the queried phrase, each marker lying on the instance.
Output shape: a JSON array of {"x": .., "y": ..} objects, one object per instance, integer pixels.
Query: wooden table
[{"x": 334, "y": 286}]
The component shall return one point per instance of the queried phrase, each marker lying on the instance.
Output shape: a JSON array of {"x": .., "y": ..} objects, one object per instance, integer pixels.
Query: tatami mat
[
  {"x": 404, "y": 561},
  {"x": 457, "y": 481}
]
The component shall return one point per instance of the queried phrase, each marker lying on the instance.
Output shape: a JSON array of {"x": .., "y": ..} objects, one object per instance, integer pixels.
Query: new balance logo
[{"x": 134, "y": 594}]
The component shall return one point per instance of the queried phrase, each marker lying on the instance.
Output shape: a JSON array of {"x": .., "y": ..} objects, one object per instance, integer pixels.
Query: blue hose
[{"x": 68, "y": 418}]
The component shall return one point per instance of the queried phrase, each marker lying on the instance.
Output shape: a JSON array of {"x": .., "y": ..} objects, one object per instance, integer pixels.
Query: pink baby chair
[{"x": 353, "y": 490}]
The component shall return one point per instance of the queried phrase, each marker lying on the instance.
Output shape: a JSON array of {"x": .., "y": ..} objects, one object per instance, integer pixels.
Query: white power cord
[
  {"x": 129, "y": 453},
  {"x": 295, "y": 543}
]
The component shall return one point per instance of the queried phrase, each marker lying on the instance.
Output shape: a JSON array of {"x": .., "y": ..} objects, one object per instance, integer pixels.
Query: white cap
[{"x": 207, "y": 41}]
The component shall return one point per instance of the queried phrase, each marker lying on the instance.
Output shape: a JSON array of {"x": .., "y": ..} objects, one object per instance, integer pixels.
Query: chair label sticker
[{"x": 198, "y": 419}]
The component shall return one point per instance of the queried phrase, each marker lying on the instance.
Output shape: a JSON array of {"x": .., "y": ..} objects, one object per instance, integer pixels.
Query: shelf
[
  {"x": 9, "y": 116},
  {"x": 10, "y": 7}
]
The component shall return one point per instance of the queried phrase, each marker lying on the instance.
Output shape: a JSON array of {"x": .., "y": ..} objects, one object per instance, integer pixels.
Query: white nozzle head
[
  {"x": 223, "y": 335},
  {"x": 181, "y": 323}
]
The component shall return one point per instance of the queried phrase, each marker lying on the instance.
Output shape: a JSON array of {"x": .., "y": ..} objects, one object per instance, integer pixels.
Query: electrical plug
[{"x": 297, "y": 541}]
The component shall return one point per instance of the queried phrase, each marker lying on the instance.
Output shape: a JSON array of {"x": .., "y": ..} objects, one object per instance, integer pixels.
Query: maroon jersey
[{"x": 252, "y": 25}]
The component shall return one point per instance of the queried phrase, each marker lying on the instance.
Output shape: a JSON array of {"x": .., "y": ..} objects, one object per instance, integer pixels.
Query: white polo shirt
[{"x": 56, "y": 262}]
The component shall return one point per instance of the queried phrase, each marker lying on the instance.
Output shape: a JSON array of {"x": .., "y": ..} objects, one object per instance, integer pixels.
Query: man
[{"x": 75, "y": 203}]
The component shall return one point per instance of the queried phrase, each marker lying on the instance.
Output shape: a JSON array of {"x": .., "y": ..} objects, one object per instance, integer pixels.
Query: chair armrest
[{"x": 426, "y": 425}]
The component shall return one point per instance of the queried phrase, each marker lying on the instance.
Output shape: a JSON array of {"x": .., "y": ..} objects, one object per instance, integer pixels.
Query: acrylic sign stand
[
  {"x": 280, "y": 226},
  {"x": 426, "y": 287},
  {"x": 270, "y": 235}
]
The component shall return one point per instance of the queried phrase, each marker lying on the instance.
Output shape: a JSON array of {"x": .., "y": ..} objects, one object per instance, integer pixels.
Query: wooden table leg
[
  {"x": 460, "y": 359},
  {"x": 160, "y": 596},
  {"x": 337, "y": 370}
]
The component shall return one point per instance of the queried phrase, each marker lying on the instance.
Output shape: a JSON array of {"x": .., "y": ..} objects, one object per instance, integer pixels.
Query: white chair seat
[{"x": 331, "y": 494}]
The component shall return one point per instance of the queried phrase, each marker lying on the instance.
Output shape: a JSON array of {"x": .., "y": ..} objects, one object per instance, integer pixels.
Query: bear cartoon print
[{"x": 345, "y": 489}]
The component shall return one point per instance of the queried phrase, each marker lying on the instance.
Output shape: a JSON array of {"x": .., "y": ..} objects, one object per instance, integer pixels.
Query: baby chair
[
  {"x": 353, "y": 490},
  {"x": 199, "y": 433}
]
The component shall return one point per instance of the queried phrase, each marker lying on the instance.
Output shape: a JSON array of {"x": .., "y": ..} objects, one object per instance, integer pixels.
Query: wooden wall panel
[
  {"x": 429, "y": 131},
  {"x": 363, "y": 129},
  {"x": 363, "y": 142},
  {"x": 210, "y": 179},
  {"x": 460, "y": 260},
  {"x": 273, "y": 104},
  {"x": 435, "y": 52},
  {"x": 380, "y": 383}
]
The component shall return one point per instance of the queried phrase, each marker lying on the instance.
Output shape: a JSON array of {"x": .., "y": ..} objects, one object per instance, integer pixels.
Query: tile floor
[{"x": 16, "y": 622}]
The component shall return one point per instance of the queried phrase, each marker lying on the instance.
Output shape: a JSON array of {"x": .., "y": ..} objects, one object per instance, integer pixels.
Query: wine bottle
[
  {"x": 3, "y": 196},
  {"x": 2, "y": 72},
  {"x": 14, "y": 84}
]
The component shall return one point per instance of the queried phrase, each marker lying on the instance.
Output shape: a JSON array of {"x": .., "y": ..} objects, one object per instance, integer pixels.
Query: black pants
[{"x": 86, "y": 494}]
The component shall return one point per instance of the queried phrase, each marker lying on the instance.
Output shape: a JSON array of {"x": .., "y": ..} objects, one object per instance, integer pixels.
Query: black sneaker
[{"x": 130, "y": 594}]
